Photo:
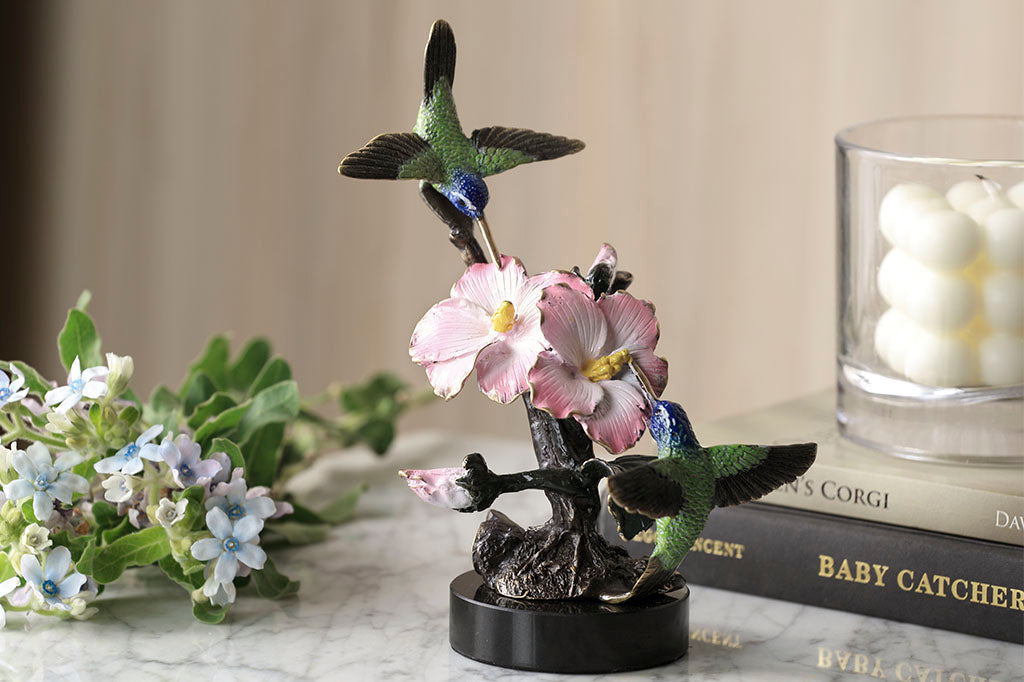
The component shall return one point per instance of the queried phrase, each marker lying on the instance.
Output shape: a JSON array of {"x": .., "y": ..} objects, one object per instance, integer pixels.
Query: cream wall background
[{"x": 191, "y": 150}]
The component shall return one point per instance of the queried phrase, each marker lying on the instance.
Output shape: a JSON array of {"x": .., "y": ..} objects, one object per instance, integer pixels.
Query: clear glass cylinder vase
[{"x": 931, "y": 287}]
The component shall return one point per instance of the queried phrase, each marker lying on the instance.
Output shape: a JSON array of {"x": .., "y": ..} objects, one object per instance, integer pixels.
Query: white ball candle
[
  {"x": 1002, "y": 296},
  {"x": 888, "y": 327},
  {"x": 980, "y": 210},
  {"x": 902, "y": 335},
  {"x": 894, "y": 202},
  {"x": 1001, "y": 359},
  {"x": 1016, "y": 194},
  {"x": 940, "y": 302},
  {"x": 961, "y": 195},
  {"x": 910, "y": 212},
  {"x": 945, "y": 240},
  {"x": 1004, "y": 237},
  {"x": 894, "y": 275},
  {"x": 938, "y": 360}
]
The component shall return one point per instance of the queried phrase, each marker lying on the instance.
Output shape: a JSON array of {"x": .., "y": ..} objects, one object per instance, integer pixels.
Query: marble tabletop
[{"x": 374, "y": 606}]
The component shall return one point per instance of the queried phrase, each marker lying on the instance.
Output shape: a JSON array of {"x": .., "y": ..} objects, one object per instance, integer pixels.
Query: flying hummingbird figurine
[
  {"x": 687, "y": 481},
  {"x": 439, "y": 152}
]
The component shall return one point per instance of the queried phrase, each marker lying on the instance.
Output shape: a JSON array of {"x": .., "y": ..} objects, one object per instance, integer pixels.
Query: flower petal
[
  {"x": 78, "y": 484},
  {"x": 653, "y": 367},
  {"x": 68, "y": 402},
  {"x": 631, "y": 322},
  {"x": 95, "y": 373},
  {"x": 58, "y": 562},
  {"x": 66, "y": 460},
  {"x": 149, "y": 434},
  {"x": 448, "y": 376},
  {"x": 606, "y": 256},
  {"x": 169, "y": 453},
  {"x": 40, "y": 456},
  {"x": 188, "y": 448},
  {"x": 206, "y": 468},
  {"x": 56, "y": 395},
  {"x": 71, "y": 585},
  {"x": 24, "y": 465},
  {"x": 218, "y": 523},
  {"x": 132, "y": 466},
  {"x": 151, "y": 451},
  {"x": 61, "y": 491},
  {"x": 226, "y": 568},
  {"x": 487, "y": 286},
  {"x": 502, "y": 367},
  {"x": 42, "y": 505},
  {"x": 206, "y": 549},
  {"x": 530, "y": 292},
  {"x": 5, "y": 381},
  {"x": 94, "y": 389},
  {"x": 31, "y": 569},
  {"x": 18, "y": 489},
  {"x": 109, "y": 465},
  {"x": 452, "y": 328},
  {"x": 260, "y": 507},
  {"x": 619, "y": 419},
  {"x": 572, "y": 324},
  {"x": 560, "y": 389},
  {"x": 251, "y": 555},
  {"x": 246, "y": 528},
  {"x": 9, "y": 585},
  {"x": 75, "y": 371}
]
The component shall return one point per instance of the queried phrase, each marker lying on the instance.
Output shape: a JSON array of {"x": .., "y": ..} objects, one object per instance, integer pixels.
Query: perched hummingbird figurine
[
  {"x": 687, "y": 481},
  {"x": 439, "y": 152}
]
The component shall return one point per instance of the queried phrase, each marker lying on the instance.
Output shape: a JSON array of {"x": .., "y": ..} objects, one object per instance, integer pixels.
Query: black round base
[{"x": 584, "y": 636}]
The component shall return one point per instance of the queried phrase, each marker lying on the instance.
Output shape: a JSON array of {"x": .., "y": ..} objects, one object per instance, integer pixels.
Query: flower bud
[
  {"x": 439, "y": 487},
  {"x": 121, "y": 370}
]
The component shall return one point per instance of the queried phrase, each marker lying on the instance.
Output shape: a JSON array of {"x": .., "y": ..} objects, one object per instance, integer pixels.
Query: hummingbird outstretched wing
[
  {"x": 747, "y": 472},
  {"x": 499, "y": 149},
  {"x": 394, "y": 156},
  {"x": 650, "y": 489}
]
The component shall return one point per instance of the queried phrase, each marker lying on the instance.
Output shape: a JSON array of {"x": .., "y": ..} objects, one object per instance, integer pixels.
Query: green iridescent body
[
  {"x": 438, "y": 123},
  {"x": 686, "y": 481}
]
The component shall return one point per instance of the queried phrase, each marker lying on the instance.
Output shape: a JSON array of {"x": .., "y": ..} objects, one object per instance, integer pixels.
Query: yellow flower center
[
  {"x": 504, "y": 318},
  {"x": 606, "y": 367}
]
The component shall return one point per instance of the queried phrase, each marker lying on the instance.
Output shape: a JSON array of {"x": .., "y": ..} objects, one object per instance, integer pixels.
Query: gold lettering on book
[
  {"x": 874, "y": 666},
  {"x": 862, "y": 571},
  {"x": 731, "y": 550}
]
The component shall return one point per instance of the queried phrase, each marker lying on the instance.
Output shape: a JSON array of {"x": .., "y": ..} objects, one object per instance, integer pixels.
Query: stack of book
[{"x": 934, "y": 544}]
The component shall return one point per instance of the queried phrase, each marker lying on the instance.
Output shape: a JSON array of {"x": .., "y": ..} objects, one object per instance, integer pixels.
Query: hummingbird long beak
[
  {"x": 644, "y": 381},
  {"x": 492, "y": 249}
]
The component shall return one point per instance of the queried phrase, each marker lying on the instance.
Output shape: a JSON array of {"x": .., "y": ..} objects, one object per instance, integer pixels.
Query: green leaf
[
  {"x": 295, "y": 533},
  {"x": 85, "y": 468},
  {"x": 119, "y": 531},
  {"x": 194, "y": 511},
  {"x": 36, "y": 383},
  {"x": 263, "y": 454},
  {"x": 76, "y": 543},
  {"x": 248, "y": 365},
  {"x": 84, "y": 299},
  {"x": 105, "y": 514},
  {"x": 343, "y": 507},
  {"x": 79, "y": 339},
  {"x": 223, "y": 422},
  {"x": 378, "y": 434},
  {"x": 217, "y": 403},
  {"x": 198, "y": 390},
  {"x": 368, "y": 396},
  {"x": 96, "y": 416},
  {"x": 229, "y": 448},
  {"x": 270, "y": 584},
  {"x": 164, "y": 407},
  {"x": 274, "y": 372},
  {"x": 208, "y": 613},
  {"x": 303, "y": 514},
  {"x": 106, "y": 564},
  {"x": 7, "y": 568},
  {"x": 278, "y": 403},
  {"x": 213, "y": 362},
  {"x": 174, "y": 571},
  {"x": 26, "y": 511}
]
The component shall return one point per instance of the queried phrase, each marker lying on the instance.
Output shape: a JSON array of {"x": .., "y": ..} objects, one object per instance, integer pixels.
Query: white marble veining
[{"x": 374, "y": 606}]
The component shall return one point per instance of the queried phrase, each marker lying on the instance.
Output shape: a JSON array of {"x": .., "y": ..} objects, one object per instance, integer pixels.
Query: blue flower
[
  {"x": 49, "y": 582},
  {"x": 44, "y": 480},
  {"x": 231, "y": 543},
  {"x": 128, "y": 459},
  {"x": 12, "y": 391},
  {"x": 237, "y": 501},
  {"x": 90, "y": 383}
]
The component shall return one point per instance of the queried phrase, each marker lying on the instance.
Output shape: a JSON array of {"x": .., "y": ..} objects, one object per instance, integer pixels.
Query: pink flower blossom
[
  {"x": 439, "y": 486},
  {"x": 491, "y": 324},
  {"x": 586, "y": 374}
]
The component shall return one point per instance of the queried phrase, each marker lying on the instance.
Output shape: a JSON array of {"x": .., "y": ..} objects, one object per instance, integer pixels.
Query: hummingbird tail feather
[
  {"x": 654, "y": 577},
  {"x": 439, "y": 60}
]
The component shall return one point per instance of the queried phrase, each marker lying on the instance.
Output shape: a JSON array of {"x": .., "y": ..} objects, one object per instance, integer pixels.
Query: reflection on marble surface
[{"x": 374, "y": 606}]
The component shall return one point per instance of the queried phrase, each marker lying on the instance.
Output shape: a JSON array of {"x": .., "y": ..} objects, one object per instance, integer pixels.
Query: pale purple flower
[
  {"x": 182, "y": 456},
  {"x": 12, "y": 391},
  {"x": 237, "y": 501},
  {"x": 128, "y": 460},
  {"x": 44, "y": 480},
  {"x": 6, "y": 587},
  {"x": 52, "y": 581},
  {"x": 90, "y": 383},
  {"x": 231, "y": 544},
  {"x": 439, "y": 487}
]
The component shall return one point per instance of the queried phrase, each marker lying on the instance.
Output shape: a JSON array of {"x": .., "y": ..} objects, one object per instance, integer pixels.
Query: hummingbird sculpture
[
  {"x": 439, "y": 152},
  {"x": 687, "y": 481}
]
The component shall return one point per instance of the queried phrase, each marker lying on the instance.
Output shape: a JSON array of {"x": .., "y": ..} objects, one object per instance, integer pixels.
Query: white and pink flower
[
  {"x": 439, "y": 487},
  {"x": 490, "y": 323},
  {"x": 586, "y": 374}
]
